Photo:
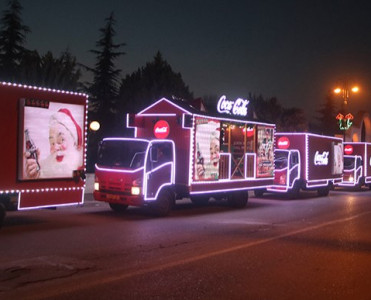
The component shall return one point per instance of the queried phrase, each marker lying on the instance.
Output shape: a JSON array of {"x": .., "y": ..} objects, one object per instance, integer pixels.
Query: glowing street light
[{"x": 345, "y": 91}]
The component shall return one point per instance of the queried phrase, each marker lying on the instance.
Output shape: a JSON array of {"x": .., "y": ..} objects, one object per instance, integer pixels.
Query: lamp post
[
  {"x": 344, "y": 118},
  {"x": 345, "y": 90}
]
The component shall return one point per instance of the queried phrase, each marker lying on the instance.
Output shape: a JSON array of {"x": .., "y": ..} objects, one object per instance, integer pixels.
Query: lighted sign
[
  {"x": 51, "y": 139},
  {"x": 321, "y": 159},
  {"x": 283, "y": 142},
  {"x": 161, "y": 129},
  {"x": 345, "y": 122},
  {"x": 348, "y": 149},
  {"x": 237, "y": 107}
]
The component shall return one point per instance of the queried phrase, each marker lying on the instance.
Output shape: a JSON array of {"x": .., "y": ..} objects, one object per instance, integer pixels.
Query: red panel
[{"x": 45, "y": 199}]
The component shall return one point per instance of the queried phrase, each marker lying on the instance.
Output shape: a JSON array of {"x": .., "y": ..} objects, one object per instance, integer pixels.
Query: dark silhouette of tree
[
  {"x": 47, "y": 71},
  {"x": 150, "y": 83},
  {"x": 327, "y": 123},
  {"x": 104, "y": 89},
  {"x": 12, "y": 38},
  {"x": 292, "y": 120}
]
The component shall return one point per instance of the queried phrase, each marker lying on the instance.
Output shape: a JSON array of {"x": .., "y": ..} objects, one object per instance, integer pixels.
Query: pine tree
[
  {"x": 104, "y": 88},
  {"x": 327, "y": 117},
  {"x": 12, "y": 38},
  {"x": 150, "y": 83}
]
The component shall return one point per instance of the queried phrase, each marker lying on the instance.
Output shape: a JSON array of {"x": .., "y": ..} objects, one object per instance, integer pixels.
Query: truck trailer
[
  {"x": 178, "y": 152},
  {"x": 305, "y": 161},
  {"x": 357, "y": 165},
  {"x": 43, "y": 147}
]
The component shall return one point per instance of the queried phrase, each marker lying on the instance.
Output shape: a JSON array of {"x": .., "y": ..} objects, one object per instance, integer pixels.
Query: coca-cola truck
[
  {"x": 178, "y": 151},
  {"x": 357, "y": 165},
  {"x": 305, "y": 161},
  {"x": 42, "y": 158}
]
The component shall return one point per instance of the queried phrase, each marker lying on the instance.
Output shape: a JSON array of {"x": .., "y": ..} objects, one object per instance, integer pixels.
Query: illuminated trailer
[
  {"x": 357, "y": 165},
  {"x": 305, "y": 161},
  {"x": 178, "y": 151},
  {"x": 43, "y": 147}
]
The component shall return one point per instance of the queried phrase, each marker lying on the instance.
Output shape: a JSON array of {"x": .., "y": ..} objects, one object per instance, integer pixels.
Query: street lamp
[{"x": 345, "y": 91}]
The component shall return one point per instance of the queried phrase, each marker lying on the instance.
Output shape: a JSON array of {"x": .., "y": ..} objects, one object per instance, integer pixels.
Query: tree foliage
[
  {"x": 326, "y": 118},
  {"x": 150, "y": 83},
  {"x": 48, "y": 71},
  {"x": 12, "y": 38},
  {"x": 104, "y": 88}
]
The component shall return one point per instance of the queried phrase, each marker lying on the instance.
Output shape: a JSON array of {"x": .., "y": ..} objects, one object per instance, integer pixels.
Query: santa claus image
[{"x": 65, "y": 149}]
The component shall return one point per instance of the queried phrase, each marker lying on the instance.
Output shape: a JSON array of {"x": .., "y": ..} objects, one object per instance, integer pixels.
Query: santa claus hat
[{"x": 64, "y": 117}]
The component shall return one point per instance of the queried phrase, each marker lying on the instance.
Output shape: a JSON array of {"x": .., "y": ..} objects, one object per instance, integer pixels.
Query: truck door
[
  {"x": 160, "y": 168},
  {"x": 294, "y": 167}
]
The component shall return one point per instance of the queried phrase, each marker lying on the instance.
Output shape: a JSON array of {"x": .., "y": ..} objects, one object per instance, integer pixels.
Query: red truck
[
  {"x": 178, "y": 151},
  {"x": 305, "y": 161},
  {"x": 43, "y": 147},
  {"x": 357, "y": 165}
]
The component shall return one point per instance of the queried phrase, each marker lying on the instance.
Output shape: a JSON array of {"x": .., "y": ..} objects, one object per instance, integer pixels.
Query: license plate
[{"x": 113, "y": 197}]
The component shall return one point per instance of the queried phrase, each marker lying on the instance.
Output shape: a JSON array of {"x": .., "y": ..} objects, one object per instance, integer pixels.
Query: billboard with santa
[
  {"x": 51, "y": 139},
  {"x": 207, "y": 134}
]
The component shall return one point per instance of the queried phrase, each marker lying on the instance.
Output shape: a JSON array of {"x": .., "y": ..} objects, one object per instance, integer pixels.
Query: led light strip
[
  {"x": 30, "y": 87},
  {"x": 254, "y": 163}
]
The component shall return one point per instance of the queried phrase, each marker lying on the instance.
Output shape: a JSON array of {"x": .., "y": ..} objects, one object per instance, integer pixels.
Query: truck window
[
  {"x": 294, "y": 159},
  {"x": 122, "y": 154},
  {"x": 160, "y": 153},
  {"x": 349, "y": 163},
  {"x": 280, "y": 159}
]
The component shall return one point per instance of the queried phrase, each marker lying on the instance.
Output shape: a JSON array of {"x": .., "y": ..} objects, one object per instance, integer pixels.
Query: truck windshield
[
  {"x": 349, "y": 163},
  {"x": 127, "y": 154},
  {"x": 280, "y": 159}
]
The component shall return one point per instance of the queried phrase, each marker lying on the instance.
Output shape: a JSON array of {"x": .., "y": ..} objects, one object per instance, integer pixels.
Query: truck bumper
[{"x": 118, "y": 198}]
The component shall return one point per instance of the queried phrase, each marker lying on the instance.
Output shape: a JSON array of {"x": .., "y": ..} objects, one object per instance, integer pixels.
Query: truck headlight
[
  {"x": 96, "y": 186},
  {"x": 135, "y": 190},
  {"x": 351, "y": 178}
]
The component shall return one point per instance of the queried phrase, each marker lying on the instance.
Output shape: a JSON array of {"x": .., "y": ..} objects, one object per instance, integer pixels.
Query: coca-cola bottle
[
  {"x": 200, "y": 161},
  {"x": 31, "y": 148}
]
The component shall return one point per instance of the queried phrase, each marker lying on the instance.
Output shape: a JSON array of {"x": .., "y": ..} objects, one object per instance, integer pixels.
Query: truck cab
[
  {"x": 357, "y": 165},
  {"x": 148, "y": 167},
  {"x": 287, "y": 168}
]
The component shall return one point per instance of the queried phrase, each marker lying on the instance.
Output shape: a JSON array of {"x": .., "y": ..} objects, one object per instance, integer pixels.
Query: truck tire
[
  {"x": 162, "y": 206},
  {"x": 259, "y": 192},
  {"x": 118, "y": 207},
  {"x": 200, "y": 200},
  {"x": 323, "y": 191},
  {"x": 238, "y": 199},
  {"x": 295, "y": 191},
  {"x": 2, "y": 214}
]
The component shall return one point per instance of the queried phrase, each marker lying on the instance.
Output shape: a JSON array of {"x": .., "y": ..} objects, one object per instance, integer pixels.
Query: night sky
[{"x": 294, "y": 50}]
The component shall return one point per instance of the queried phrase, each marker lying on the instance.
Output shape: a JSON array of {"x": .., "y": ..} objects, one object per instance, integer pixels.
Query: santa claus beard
[{"x": 61, "y": 164}]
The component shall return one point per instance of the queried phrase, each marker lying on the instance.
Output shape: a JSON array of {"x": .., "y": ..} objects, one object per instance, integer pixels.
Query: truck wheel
[
  {"x": 118, "y": 207},
  {"x": 238, "y": 199},
  {"x": 2, "y": 214},
  {"x": 259, "y": 192},
  {"x": 200, "y": 200},
  {"x": 162, "y": 206},
  {"x": 294, "y": 192},
  {"x": 323, "y": 192}
]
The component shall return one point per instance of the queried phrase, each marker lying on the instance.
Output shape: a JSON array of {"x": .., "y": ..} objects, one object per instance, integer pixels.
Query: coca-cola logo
[
  {"x": 283, "y": 142},
  {"x": 348, "y": 149},
  {"x": 237, "y": 107},
  {"x": 321, "y": 159},
  {"x": 161, "y": 129}
]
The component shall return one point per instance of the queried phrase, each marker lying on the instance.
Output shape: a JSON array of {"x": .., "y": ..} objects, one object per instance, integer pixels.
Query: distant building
[{"x": 360, "y": 131}]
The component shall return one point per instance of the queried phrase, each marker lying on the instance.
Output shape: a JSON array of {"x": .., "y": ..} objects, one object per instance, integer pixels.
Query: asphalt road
[{"x": 275, "y": 248}]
